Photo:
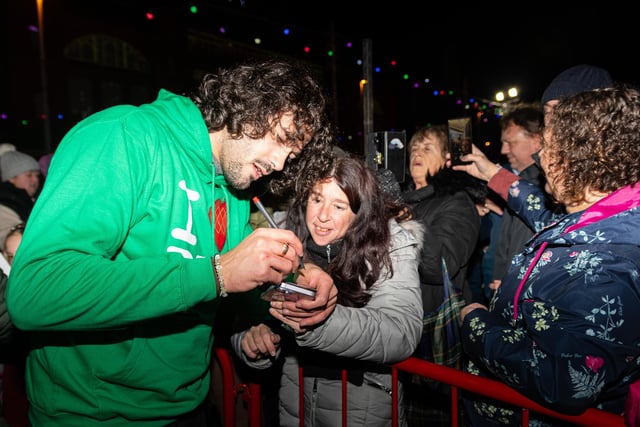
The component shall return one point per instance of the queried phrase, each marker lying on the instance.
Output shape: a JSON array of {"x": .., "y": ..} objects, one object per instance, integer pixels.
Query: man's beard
[{"x": 233, "y": 174}]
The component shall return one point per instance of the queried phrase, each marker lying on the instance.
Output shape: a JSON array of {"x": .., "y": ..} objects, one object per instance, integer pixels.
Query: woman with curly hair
[
  {"x": 363, "y": 237},
  {"x": 562, "y": 328}
]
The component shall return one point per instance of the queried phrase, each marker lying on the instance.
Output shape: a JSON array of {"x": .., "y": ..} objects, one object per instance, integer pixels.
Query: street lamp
[
  {"x": 43, "y": 79},
  {"x": 512, "y": 93}
]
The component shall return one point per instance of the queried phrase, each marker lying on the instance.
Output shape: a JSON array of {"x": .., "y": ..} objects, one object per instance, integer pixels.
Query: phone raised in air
[{"x": 459, "y": 139}]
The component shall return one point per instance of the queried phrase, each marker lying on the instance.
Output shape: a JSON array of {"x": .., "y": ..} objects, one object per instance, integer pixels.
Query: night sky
[
  {"x": 487, "y": 46},
  {"x": 472, "y": 51}
]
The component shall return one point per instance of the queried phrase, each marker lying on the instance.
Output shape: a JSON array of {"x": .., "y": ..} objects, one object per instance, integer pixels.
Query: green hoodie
[{"x": 114, "y": 277}]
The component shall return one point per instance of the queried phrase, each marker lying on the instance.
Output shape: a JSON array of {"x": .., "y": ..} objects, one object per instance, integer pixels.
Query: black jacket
[
  {"x": 514, "y": 231},
  {"x": 452, "y": 229},
  {"x": 17, "y": 199}
]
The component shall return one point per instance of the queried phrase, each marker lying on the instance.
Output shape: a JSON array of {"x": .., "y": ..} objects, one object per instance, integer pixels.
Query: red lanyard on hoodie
[{"x": 616, "y": 202}]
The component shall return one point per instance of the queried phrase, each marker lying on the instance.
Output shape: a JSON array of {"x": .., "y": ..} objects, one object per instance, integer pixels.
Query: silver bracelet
[{"x": 217, "y": 267}]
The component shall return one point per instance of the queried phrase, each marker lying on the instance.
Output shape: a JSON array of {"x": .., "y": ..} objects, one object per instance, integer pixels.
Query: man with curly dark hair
[
  {"x": 123, "y": 263},
  {"x": 562, "y": 327}
]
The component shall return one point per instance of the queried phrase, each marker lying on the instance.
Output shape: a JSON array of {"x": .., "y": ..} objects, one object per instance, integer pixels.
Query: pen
[
  {"x": 265, "y": 212},
  {"x": 267, "y": 215}
]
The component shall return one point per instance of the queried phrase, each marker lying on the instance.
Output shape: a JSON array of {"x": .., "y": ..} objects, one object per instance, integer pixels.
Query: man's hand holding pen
[
  {"x": 272, "y": 224},
  {"x": 303, "y": 313},
  {"x": 260, "y": 258}
]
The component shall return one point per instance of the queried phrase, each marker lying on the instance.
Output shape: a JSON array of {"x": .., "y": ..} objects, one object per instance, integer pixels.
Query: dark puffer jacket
[
  {"x": 565, "y": 334},
  {"x": 452, "y": 229}
]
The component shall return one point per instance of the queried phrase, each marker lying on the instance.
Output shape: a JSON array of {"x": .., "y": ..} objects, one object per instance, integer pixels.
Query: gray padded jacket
[{"x": 385, "y": 331}]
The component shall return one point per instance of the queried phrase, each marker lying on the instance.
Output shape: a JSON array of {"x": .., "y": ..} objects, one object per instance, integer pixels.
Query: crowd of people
[{"x": 140, "y": 254}]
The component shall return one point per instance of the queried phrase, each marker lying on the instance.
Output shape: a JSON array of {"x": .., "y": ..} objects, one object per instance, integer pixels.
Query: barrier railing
[
  {"x": 455, "y": 378},
  {"x": 231, "y": 391},
  {"x": 496, "y": 390}
]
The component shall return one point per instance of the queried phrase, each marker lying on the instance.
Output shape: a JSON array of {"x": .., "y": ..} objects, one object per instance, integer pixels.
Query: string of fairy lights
[{"x": 307, "y": 42}]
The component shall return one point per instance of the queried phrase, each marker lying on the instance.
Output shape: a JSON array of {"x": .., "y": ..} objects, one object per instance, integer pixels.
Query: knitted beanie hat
[
  {"x": 574, "y": 80},
  {"x": 6, "y": 146},
  {"x": 14, "y": 163}
]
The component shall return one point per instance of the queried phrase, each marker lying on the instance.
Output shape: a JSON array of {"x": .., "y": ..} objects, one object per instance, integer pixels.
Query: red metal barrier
[
  {"x": 455, "y": 378},
  {"x": 499, "y": 391},
  {"x": 250, "y": 392}
]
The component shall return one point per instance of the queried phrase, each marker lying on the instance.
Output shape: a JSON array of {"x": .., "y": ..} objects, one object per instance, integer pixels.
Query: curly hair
[
  {"x": 365, "y": 246},
  {"x": 594, "y": 142},
  {"x": 249, "y": 100}
]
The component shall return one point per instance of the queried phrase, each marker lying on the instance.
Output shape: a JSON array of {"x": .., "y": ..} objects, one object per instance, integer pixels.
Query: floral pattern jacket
[{"x": 562, "y": 328}]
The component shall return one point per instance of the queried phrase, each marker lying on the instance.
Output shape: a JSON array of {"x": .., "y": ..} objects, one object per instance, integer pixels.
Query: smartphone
[
  {"x": 289, "y": 289},
  {"x": 459, "y": 139}
]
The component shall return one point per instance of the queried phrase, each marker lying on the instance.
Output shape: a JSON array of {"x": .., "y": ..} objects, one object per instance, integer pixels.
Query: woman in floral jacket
[{"x": 562, "y": 328}]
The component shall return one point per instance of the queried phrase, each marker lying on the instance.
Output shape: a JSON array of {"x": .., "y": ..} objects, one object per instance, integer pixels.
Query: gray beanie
[
  {"x": 13, "y": 163},
  {"x": 6, "y": 146},
  {"x": 574, "y": 80}
]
